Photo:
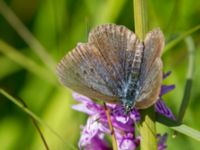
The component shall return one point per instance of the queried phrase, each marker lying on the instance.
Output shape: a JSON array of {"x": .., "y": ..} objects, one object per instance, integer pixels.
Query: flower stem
[
  {"x": 147, "y": 124},
  {"x": 148, "y": 129},
  {"x": 140, "y": 18},
  {"x": 114, "y": 141}
]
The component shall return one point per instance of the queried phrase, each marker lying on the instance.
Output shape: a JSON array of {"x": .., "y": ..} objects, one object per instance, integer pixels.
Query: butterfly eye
[{"x": 127, "y": 109}]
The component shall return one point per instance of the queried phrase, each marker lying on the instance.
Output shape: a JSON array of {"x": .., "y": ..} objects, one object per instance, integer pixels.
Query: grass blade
[
  {"x": 180, "y": 38},
  {"x": 188, "y": 86},
  {"x": 32, "y": 115},
  {"x": 33, "y": 43},
  {"x": 25, "y": 62}
]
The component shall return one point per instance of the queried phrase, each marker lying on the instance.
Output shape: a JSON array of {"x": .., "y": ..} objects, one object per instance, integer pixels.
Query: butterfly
[{"x": 116, "y": 66}]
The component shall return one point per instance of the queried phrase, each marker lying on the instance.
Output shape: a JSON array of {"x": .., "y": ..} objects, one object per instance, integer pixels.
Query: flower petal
[
  {"x": 81, "y": 98},
  {"x": 161, "y": 108},
  {"x": 165, "y": 75},
  {"x": 82, "y": 108},
  {"x": 97, "y": 143},
  {"x": 162, "y": 141},
  {"x": 166, "y": 88}
]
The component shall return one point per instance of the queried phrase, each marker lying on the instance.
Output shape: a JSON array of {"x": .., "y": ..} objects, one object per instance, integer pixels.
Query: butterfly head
[{"x": 128, "y": 106}]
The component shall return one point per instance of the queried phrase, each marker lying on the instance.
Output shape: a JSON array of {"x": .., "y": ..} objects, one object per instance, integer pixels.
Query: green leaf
[
  {"x": 184, "y": 129},
  {"x": 181, "y": 128}
]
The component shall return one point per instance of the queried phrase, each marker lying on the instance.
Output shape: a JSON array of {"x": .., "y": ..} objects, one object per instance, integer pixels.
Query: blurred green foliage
[{"x": 58, "y": 26}]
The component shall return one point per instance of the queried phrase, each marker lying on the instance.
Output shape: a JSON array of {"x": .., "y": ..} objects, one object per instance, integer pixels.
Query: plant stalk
[
  {"x": 147, "y": 125},
  {"x": 114, "y": 141}
]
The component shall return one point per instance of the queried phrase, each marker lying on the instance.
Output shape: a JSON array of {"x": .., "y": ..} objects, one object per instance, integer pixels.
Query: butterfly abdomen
[{"x": 131, "y": 90}]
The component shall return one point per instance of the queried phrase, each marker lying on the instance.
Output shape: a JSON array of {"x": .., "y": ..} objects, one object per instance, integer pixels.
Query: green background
[{"x": 58, "y": 25}]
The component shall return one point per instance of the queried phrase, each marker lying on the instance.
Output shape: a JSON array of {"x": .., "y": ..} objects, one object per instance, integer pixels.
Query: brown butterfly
[{"x": 115, "y": 66}]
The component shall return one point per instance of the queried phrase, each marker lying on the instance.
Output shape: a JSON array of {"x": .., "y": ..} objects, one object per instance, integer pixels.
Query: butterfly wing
[
  {"x": 97, "y": 69},
  {"x": 151, "y": 69},
  {"x": 79, "y": 70},
  {"x": 117, "y": 44}
]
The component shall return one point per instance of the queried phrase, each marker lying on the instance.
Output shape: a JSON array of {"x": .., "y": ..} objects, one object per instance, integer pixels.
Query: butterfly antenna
[{"x": 114, "y": 141}]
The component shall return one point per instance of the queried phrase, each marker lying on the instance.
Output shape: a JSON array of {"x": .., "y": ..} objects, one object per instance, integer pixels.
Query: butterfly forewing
[
  {"x": 77, "y": 70},
  {"x": 117, "y": 45}
]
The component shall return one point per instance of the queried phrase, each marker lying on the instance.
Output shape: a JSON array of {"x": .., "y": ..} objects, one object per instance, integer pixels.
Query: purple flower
[
  {"x": 162, "y": 141},
  {"x": 127, "y": 141},
  {"x": 96, "y": 127},
  {"x": 97, "y": 143},
  {"x": 161, "y": 108},
  {"x": 160, "y": 105},
  {"x": 93, "y": 133}
]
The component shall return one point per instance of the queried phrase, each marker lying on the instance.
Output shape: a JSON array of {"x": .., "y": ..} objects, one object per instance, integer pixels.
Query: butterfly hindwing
[
  {"x": 151, "y": 69},
  {"x": 151, "y": 87}
]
